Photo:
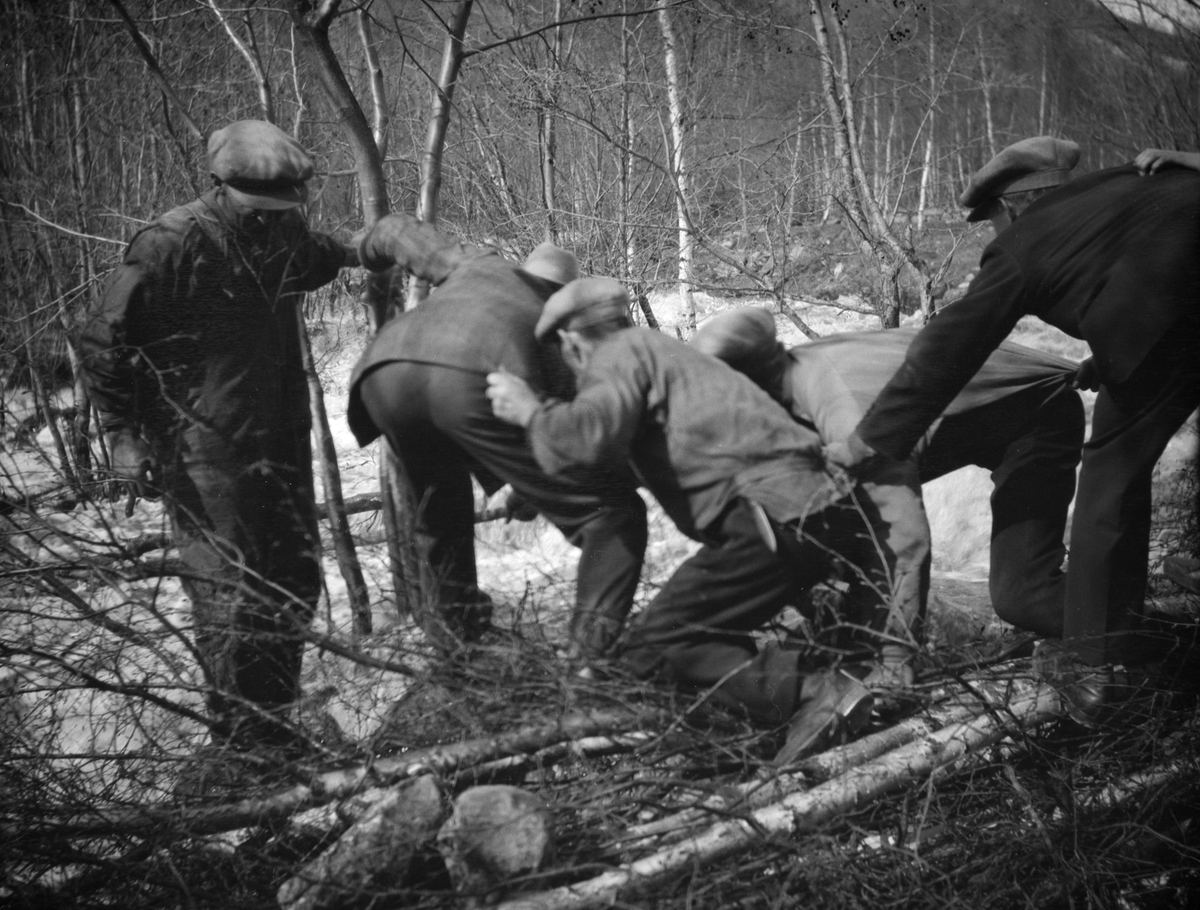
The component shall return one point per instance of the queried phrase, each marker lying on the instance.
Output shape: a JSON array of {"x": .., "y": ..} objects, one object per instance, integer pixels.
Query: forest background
[{"x": 802, "y": 155}]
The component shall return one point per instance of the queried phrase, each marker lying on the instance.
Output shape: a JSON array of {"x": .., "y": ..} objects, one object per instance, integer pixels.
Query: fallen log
[
  {"x": 798, "y": 812},
  {"x": 832, "y": 762},
  {"x": 329, "y": 786}
]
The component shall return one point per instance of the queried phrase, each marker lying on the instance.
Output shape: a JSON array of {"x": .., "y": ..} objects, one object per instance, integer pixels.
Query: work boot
[
  {"x": 1091, "y": 694},
  {"x": 833, "y": 707}
]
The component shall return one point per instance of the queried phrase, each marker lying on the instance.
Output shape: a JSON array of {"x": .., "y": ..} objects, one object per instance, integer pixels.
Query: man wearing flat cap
[
  {"x": 1113, "y": 258},
  {"x": 421, "y": 383},
  {"x": 728, "y": 465},
  {"x": 192, "y": 357},
  {"x": 1018, "y": 417}
]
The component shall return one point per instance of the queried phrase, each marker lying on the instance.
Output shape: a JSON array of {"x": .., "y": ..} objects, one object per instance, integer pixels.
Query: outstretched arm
[{"x": 1150, "y": 161}]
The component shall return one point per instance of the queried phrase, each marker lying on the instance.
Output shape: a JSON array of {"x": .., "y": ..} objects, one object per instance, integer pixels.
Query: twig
[
  {"x": 327, "y": 787},
  {"x": 798, "y": 811}
]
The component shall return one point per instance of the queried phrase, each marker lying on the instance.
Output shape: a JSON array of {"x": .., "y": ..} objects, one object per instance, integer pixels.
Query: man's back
[
  {"x": 480, "y": 319},
  {"x": 833, "y": 380},
  {"x": 1106, "y": 247},
  {"x": 697, "y": 431}
]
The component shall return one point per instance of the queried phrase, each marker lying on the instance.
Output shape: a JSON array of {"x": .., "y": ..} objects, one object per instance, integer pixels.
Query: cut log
[
  {"x": 802, "y": 811},
  {"x": 949, "y": 709},
  {"x": 332, "y": 785}
]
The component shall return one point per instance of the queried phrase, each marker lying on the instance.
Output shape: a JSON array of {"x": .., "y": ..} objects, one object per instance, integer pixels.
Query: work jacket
[
  {"x": 198, "y": 327},
  {"x": 1112, "y": 258},
  {"x": 696, "y": 432}
]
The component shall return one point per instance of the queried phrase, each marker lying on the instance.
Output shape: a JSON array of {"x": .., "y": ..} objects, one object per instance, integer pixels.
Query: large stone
[
  {"x": 375, "y": 854},
  {"x": 495, "y": 833}
]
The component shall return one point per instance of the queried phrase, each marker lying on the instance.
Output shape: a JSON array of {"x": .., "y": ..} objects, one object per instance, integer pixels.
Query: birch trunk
[
  {"x": 798, "y": 812},
  {"x": 679, "y": 167}
]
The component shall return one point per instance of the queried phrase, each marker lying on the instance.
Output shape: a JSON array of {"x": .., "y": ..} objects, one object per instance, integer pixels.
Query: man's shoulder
[{"x": 177, "y": 227}]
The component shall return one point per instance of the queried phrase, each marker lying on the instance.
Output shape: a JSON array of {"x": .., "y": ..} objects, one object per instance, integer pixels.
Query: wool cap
[
  {"x": 581, "y": 303},
  {"x": 737, "y": 336},
  {"x": 260, "y": 165},
  {"x": 552, "y": 263},
  {"x": 1031, "y": 164}
]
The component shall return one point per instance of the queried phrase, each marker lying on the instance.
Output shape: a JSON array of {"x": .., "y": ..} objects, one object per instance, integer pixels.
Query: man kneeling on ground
[{"x": 727, "y": 464}]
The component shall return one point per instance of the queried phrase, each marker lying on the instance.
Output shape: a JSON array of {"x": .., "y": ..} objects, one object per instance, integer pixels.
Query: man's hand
[
  {"x": 134, "y": 463},
  {"x": 850, "y": 455},
  {"x": 1150, "y": 161},
  {"x": 1086, "y": 377},
  {"x": 518, "y": 509},
  {"x": 513, "y": 401}
]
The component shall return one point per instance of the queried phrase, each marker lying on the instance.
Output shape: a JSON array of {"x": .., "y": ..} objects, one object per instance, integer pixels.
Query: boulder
[
  {"x": 375, "y": 853},
  {"x": 494, "y": 834}
]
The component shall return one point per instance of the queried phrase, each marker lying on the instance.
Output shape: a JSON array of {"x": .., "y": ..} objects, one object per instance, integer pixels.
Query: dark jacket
[
  {"x": 199, "y": 326},
  {"x": 697, "y": 432},
  {"x": 479, "y": 317},
  {"x": 1112, "y": 258}
]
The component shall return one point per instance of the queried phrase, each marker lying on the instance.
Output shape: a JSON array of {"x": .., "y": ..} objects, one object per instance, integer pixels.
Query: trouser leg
[
  {"x": 248, "y": 541},
  {"x": 612, "y": 543},
  {"x": 599, "y": 511},
  {"x": 1030, "y": 440},
  {"x": 1034, "y": 485},
  {"x": 397, "y": 396},
  {"x": 1131, "y": 425},
  {"x": 698, "y": 630}
]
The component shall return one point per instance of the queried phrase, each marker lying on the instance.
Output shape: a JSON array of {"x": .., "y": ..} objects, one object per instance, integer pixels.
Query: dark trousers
[
  {"x": 1031, "y": 442},
  {"x": 1110, "y": 533},
  {"x": 698, "y": 631},
  {"x": 246, "y": 529},
  {"x": 441, "y": 427}
]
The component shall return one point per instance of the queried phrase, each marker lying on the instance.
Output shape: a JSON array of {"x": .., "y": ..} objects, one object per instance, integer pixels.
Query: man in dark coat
[
  {"x": 421, "y": 383},
  {"x": 728, "y": 465},
  {"x": 193, "y": 359},
  {"x": 1018, "y": 417},
  {"x": 1112, "y": 258}
]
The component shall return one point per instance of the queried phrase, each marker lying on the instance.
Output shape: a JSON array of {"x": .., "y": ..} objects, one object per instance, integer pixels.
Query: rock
[
  {"x": 495, "y": 833},
  {"x": 374, "y": 854}
]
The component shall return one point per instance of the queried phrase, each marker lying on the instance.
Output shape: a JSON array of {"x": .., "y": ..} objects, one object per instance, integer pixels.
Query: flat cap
[
  {"x": 581, "y": 303},
  {"x": 261, "y": 165},
  {"x": 737, "y": 336},
  {"x": 1031, "y": 164},
  {"x": 551, "y": 263}
]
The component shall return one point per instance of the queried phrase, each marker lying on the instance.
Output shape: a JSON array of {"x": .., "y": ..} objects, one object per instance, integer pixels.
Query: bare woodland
[{"x": 805, "y": 155}]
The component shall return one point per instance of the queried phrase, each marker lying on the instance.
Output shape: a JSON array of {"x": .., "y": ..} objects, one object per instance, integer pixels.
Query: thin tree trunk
[
  {"x": 547, "y": 133},
  {"x": 626, "y": 176},
  {"x": 490, "y": 155},
  {"x": 335, "y": 505},
  {"x": 156, "y": 72},
  {"x": 679, "y": 167},
  {"x": 312, "y": 34},
  {"x": 379, "y": 110},
  {"x": 81, "y": 422},
  {"x": 927, "y": 167},
  {"x": 986, "y": 86},
  {"x": 1042, "y": 92},
  {"x": 879, "y": 239},
  {"x": 249, "y": 51}
]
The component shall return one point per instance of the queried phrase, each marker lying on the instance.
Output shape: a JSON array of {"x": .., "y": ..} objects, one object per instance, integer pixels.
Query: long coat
[
  {"x": 195, "y": 346},
  {"x": 1112, "y": 258}
]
